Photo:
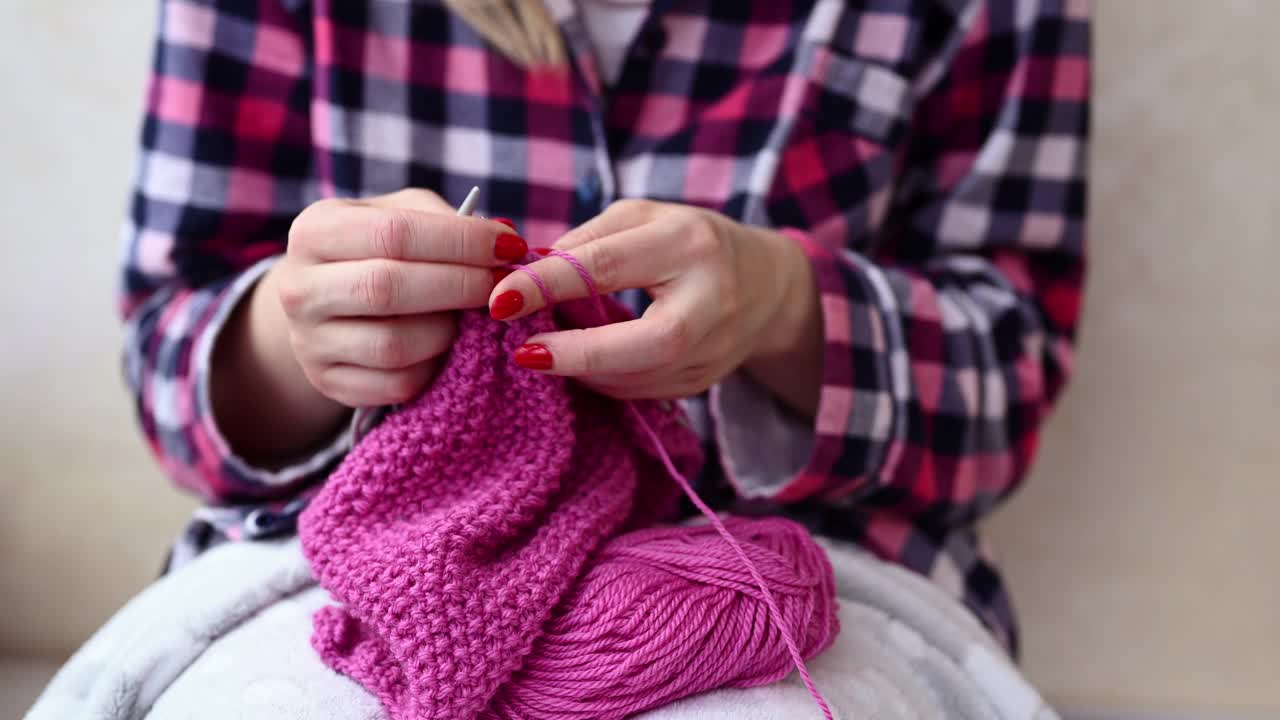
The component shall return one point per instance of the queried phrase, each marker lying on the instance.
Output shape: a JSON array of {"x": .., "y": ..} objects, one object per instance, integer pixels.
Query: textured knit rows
[{"x": 452, "y": 532}]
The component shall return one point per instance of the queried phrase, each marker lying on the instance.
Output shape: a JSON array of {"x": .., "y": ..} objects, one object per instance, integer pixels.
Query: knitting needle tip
[{"x": 469, "y": 202}]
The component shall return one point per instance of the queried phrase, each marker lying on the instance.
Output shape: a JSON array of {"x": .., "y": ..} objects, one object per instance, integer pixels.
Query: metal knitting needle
[{"x": 469, "y": 202}]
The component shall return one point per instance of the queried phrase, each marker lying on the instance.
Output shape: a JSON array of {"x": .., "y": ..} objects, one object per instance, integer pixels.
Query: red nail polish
[
  {"x": 505, "y": 221},
  {"x": 542, "y": 251},
  {"x": 506, "y": 304},
  {"x": 510, "y": 247},
  {"x": 499, "y": 273},
  {"x": 532, "y": 357}
]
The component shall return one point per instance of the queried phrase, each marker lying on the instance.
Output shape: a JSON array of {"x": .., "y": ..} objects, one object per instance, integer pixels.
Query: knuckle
[
  {"x": 291, "y": 296},
  {"x": 581, "y": 235},
  {"x": 631, "y": 205},
  {"x": 426, "y": 196},
  {"x": 302, "y": 229},
  {"x": 389, "y": 234},
  {"x": 377, "y": 287},
  {"x": 605, "y": 263},
  {"x": 703, "y": 237},
  {"x": 298, "y": 233},
  {"x": 420, "y": 198},
  {"x": 674, "y": 336}
]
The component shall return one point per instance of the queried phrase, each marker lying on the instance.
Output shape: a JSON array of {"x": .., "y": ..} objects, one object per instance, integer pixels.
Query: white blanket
[{"x": 228, "y": 637}]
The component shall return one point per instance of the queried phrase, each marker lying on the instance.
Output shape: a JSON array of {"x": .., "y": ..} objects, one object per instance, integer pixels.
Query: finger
[
  {"x": 689, "y": 372},
  {"x": 356, "y": 386},
  {"x": 633, "y": 258},
  {"x": 644, "y": 378},
  {"x": 661, "y": 338},
  {"x": 412, "y": 199},
  {"x": 345, "y": 230},
  {"x": 626, "y": 386},
  {"x": 384, "y": 343},
  {"x": 619, "y": 216},
  {"x": 380, "y": 288}
]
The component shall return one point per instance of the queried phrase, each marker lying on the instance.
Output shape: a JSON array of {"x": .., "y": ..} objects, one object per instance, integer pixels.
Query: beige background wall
[
  {"x": 1143, "y": 550},
  {"x": 84, "y": 516}
]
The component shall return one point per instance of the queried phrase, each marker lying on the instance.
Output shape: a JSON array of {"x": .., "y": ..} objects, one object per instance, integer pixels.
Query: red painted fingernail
[
  {"x": 532, "y": 357},
  {"x": 505, "y": 221},
  {"x": 510, "y": 246},
  {"x": 499, "y": 273},
  {"x": 542, "y": 251},
  {"x": 506, "y": 304}
]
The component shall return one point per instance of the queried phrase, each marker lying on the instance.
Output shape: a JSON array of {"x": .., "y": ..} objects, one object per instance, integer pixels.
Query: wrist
[
  {"x": 263, "y": 404},
  {"x": 271, "y": 346},
  {"x": 794, "y": 315},
  {"x": 787, "y": 358}
]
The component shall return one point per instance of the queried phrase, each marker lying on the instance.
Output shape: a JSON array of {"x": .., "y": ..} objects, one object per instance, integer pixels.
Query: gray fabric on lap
[{"x": 229, "y": 636}]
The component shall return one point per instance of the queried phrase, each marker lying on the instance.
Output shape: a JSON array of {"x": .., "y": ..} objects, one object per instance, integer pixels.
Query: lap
[
  {"x": 265, "y": 669},
  {"x": 196, "y": 646}
]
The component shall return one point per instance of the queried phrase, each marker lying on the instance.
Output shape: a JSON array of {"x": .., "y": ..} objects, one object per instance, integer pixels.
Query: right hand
[{"x": 367, "y": 289}]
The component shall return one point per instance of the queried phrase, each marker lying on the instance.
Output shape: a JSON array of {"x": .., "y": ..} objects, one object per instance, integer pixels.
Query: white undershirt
[{"x": 611, "y": 25}]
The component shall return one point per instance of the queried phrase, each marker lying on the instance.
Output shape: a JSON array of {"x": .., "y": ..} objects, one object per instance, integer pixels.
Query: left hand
[{"x": 723, "y": 293}]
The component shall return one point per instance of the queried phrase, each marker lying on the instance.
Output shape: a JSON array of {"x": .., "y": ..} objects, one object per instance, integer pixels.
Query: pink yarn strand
[
  {"x": 772, "y": 604},
  {"x": 774, "y": 612},
  {"x": 582, "y": 272},
  {"x": 542, "y": 286}
]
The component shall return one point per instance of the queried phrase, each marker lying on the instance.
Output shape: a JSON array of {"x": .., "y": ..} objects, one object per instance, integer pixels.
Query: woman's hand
[
  {"x": 367, "y": 288},
  {"x": 724, "y": 295},
  {"x": 354, "y": 315}
]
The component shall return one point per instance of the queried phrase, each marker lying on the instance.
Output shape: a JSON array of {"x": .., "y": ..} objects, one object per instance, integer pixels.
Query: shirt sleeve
[
  {"x": 223, "y": 168},
  {"x": 946, "y": 346}
]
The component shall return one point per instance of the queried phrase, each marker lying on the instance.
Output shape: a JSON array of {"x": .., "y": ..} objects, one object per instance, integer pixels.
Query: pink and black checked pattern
[{"x": 929, "y": 156}]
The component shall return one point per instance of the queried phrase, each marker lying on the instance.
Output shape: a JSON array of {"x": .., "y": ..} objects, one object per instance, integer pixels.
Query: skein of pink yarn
[{"x": 666, "y": 613}]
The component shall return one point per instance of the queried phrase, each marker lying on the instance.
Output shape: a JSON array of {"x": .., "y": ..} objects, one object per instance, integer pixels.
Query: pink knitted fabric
[{"x": 451, "y": 533}]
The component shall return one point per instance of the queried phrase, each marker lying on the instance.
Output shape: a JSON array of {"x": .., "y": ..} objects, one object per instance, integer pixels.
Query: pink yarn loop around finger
[{"x": 547, "y": 297}]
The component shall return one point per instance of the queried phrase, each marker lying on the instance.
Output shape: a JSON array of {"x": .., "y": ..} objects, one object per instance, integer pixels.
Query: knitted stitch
[{"x": 456, "y": 528}]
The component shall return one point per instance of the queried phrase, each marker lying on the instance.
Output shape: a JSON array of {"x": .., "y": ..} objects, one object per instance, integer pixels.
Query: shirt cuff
[
  {"x": 770, "y": 453},
  {"x": 763, "y": 447},
  {"x": 207, "y": 427}
]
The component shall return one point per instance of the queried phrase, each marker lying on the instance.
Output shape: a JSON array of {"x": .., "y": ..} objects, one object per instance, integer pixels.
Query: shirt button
[{"x": 260, "y": 523}]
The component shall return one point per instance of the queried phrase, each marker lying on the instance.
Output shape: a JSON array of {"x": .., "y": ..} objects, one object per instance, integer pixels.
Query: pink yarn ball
[{"x": 665, "y": 613}]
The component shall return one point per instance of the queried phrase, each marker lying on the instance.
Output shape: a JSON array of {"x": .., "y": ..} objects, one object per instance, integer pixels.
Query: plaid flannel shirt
[{"x": 929, "y": 155}]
